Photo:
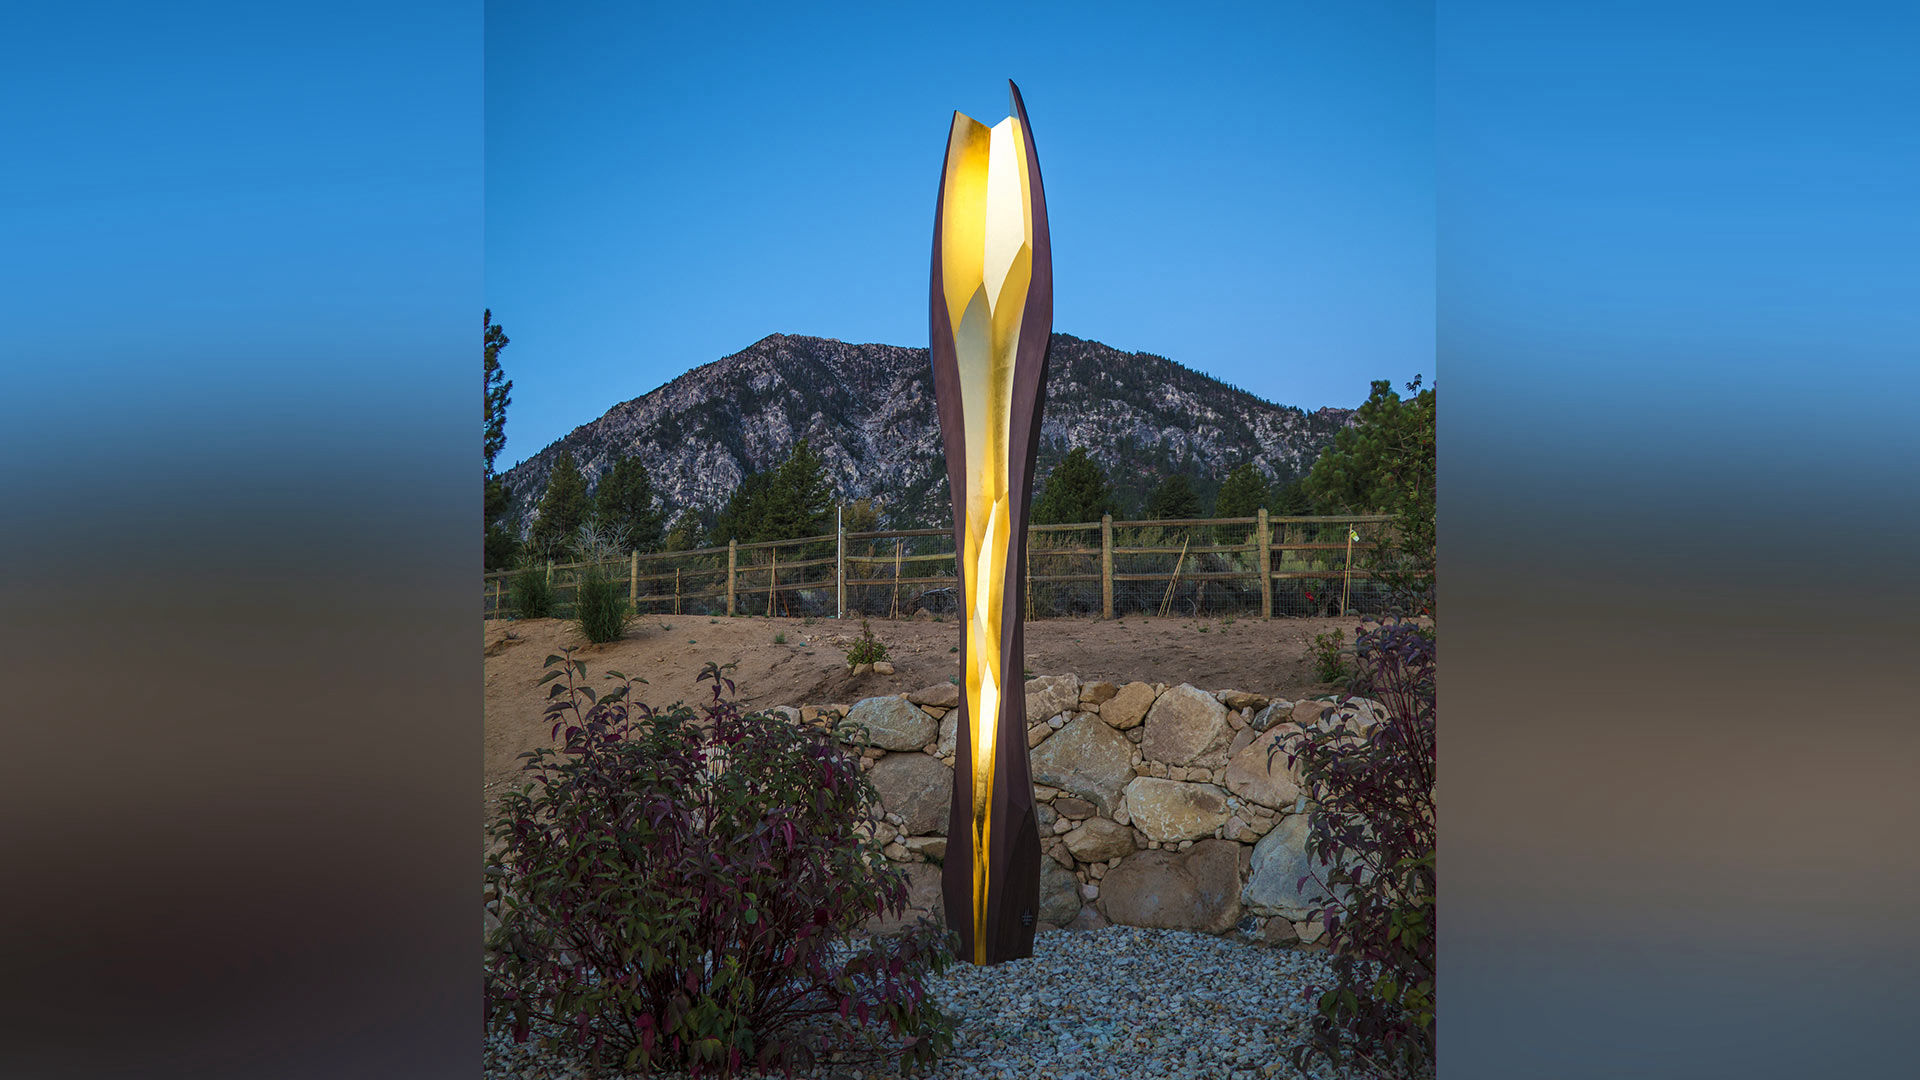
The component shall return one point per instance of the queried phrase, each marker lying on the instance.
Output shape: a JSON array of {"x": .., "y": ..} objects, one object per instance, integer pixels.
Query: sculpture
[{"x": 991, "y": 315}]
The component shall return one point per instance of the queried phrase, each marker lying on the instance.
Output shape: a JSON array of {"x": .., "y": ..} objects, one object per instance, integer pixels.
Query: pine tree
[
  {"x": 624, "y": 501},
  {"x": 563, "y": 509},
  {"x": 1242, "y": 493},
  {"x": 788, "y": 501},
  {"x": 1173, "y": 499},
  {"x": 496, "y": 392},
  {"x": 1291, "y": 500},
  {"x": 1076, "y": 491}
]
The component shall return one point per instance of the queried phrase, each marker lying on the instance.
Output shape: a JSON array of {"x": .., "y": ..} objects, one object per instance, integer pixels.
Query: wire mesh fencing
[{"x": 1200, "y": 567}]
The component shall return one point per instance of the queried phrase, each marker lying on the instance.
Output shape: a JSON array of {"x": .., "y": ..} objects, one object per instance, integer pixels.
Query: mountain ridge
[{"x": 868, "y": 410}]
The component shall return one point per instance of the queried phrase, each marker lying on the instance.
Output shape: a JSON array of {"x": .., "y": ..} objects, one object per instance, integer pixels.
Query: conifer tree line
[{"x": 1383, "y": 463}]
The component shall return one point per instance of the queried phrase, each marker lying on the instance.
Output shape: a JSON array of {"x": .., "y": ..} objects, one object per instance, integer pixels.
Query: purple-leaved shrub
[
  {"x": 684, "y": 889},
  {"x": 1371, "y": 840}
]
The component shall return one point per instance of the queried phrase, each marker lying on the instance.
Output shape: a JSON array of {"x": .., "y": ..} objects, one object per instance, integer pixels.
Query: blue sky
[{"x": 1248, "y": 192}]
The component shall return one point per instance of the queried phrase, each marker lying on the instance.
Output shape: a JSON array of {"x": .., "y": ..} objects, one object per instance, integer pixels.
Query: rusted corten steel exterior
[{"x": 1005, "y": 930}]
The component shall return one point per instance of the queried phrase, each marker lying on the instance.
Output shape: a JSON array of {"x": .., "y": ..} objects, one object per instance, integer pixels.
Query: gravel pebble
[{"x": 1116, "y": 1003}]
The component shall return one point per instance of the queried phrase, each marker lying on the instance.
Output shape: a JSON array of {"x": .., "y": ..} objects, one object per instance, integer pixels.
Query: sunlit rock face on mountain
[{"x": 868, "y": 410}]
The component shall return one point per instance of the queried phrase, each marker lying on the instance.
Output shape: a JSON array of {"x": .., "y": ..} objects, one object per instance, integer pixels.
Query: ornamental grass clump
[
  {"x": 1371, "y": 845},
  {"x": 682, "y": 889}
]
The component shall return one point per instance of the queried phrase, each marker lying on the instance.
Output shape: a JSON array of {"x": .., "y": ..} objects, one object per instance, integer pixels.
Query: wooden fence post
[
  {"x": 895, "y": 613},
  {"x": 676, "y": 590},
  {"x": 1263, "y": 557},
  {"x": 1106, "y": 566},
  {"x": 1026, "y": 554},
  {"x": 496, "y": 598},
  {"x": 840, "y": 562},
  {"x": 549, "y": 573},
  {"x": 773, "y": 578},
  {"x": 1346, "y": 586},
  {"x": 633, "y": 581},
  {"x": 733, "y": 563}
]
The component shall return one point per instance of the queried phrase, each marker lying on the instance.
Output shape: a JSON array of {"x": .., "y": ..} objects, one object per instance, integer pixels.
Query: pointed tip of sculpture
[{"x": 1013, "y": 97}]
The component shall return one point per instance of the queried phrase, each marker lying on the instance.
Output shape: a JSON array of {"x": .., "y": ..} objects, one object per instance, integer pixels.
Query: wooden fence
[{"x": 1195, "y": 566}]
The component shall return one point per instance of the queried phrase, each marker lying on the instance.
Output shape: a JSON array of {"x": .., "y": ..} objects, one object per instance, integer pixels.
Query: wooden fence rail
[{"x": 780, "y": 576}]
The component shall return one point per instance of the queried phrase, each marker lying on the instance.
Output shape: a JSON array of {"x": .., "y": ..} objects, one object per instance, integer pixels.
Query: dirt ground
[{"x": 803, "y": 662}]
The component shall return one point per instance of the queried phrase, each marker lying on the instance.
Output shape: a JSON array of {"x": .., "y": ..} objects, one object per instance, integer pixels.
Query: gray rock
[
  {"x": 923, "y": 898},
  {"x": 1059, "y": 894},
  {"x": 1077, "y": 809},
  {"x": 1198, "y": 889},
  {"x": 1088, "y": 919},
  {"x": 1097, "y": 840},
  {"x": 1050, "y": 695},
  {"x": 916, "y": 787},
  {"x": 1171, "y": 810},
  {"x": 949, "y": 732},
  {"x": 1183, "y": 726},
  {"x": 1273, "y": 881},
  {"x": 890, "y": 722},
  {"x": 1087, "y": 758}
]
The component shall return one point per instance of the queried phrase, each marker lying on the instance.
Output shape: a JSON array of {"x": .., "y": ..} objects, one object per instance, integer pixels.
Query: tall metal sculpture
[{"x": 991, "y": 316}]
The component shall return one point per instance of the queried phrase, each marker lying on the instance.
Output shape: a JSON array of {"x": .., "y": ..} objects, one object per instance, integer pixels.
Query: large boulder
[
  {"x": 1059, "y": 894},
  {"x": 923, "y": 899},
  {"x": 1184, "y": 725},
  {"x": 916, "y": 787},
  {"x": 1129, "y": 706},
  {"x": 1197, "y": 889},
  {"x": 1258, "y": 776},
  {"x": 1051, "y": 695},
  {"x": 1280, "y": 860},
  {"x": 891, "y": 723},
  {"x": 1086, "y": 758},
  {"x": 1098, "y": 840},
  {"x": 1173, "y": 810}
]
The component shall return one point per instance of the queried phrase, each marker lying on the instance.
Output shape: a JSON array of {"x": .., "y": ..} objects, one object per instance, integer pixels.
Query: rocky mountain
[{"x": 868, "y": 410}]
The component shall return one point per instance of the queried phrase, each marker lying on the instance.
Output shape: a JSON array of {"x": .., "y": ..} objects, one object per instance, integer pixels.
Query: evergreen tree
[
  {"x": 501, "y": 545},
  {"x": 1385, "y": 464},
  {"x": 563, "y": 509},
  {"x": 1172, "y": 499},
  {"x": 685, "y": 534},
  {"x": 1290, "y": 500},
  {"x": 1242, "y": 493},
  {"x": 788, "y": 501},
  {"x": 624, "y": 501},
  {"x": 1383, "y": 460},
  {"x": 1076, "y": 491},
  {"x": 496, "y": 392}
]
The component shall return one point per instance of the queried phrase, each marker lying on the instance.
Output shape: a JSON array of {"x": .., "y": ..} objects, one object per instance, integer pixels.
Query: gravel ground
[{"x": 1118, "y": 1003}]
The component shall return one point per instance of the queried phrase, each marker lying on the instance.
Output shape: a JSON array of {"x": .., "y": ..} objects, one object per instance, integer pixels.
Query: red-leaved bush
[
  {"x": 1371, "y": 838},
  {"x": 682, "y": 889}
]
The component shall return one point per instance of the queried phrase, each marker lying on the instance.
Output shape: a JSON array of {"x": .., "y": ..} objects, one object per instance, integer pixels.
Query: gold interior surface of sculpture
[{"x": 987, "y": 261}]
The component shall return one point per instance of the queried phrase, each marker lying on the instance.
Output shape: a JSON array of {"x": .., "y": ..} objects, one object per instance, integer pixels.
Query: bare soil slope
[{"x": 1269, "y": 657}]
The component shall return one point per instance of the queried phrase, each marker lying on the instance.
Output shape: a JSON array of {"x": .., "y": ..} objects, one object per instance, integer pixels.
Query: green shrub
[
  {"x": 683, "y": 891},
  {"x": 1328, "y": 662},
  {"x": 532, "y": 596},
  {"x": 867, "y": 649},
  {"x": 600, "y": 606}
]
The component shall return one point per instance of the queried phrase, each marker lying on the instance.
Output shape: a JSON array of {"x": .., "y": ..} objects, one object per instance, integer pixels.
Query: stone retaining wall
[{"x": 1157, "y": 806}]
